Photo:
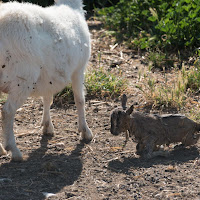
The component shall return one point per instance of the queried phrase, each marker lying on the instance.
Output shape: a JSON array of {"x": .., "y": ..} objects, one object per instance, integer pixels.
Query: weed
[
  {"x": 99, "y": 83},
  {"x": 165, "y": 92}
]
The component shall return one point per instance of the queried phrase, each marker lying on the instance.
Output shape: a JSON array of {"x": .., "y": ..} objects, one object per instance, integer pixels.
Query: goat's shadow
[
  {"x": 177, "y": 156},
  {"x": 40, "y": 173}
]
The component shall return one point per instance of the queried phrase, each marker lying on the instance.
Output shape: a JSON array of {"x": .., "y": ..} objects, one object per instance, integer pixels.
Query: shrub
[{"x": 171, "y": 25}]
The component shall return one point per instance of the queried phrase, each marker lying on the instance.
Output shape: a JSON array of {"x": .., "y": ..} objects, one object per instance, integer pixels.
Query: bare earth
[{"x": 61, "y": 167}]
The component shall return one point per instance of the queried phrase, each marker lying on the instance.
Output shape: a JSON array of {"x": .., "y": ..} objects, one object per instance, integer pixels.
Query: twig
[
  {"x": 112, "y": 159},
  {"x": 114, "y": 46}
]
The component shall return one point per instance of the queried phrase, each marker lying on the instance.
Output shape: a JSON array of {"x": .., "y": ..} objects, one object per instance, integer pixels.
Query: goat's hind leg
[
  {"x": 139, "y": 148},
  {"x": 148, "y": 145},
  {"x": 48, "y": 128},
  {"x": 77, "y": 85},
  {"x": 150, "y": 149}
]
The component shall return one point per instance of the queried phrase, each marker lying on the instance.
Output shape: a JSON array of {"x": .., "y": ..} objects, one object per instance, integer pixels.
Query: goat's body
[
  {"x": 41, "y": 51},
  {"x": 151, "y": 130},
  {"x": 166, "y": 128},
  {"x": 40, "y": 45}
]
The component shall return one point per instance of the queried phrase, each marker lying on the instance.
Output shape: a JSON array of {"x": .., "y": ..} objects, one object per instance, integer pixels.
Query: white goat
[{"x": 41, "y": 51}]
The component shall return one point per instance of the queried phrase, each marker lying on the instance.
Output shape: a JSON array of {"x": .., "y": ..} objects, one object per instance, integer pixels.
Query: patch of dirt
[{"x": 61, "y": 167}]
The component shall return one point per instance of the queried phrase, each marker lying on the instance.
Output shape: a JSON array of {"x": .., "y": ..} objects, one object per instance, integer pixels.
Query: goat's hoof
[
  {"x": 48, "y": 132},
  {"x": 17, "y": 159},
  {"x": 85, "y": 141},
  {"x": 86, "y": 135},
  {"x": 17, "y": 156}
]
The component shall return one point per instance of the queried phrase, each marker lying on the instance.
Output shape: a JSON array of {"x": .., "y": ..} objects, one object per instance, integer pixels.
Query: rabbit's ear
[
  {"x": 130, "y": 110},
  {"x": 123, "y": 101}
]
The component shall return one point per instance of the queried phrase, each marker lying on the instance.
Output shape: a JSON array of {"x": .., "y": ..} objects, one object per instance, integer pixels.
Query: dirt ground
[{"x": 61, "y": 167}]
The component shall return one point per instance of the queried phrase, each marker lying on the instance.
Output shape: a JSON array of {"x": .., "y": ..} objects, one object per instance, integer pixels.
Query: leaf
[
  {"x": 152, "y": 18},
  {"x": 145, "y": 12},
  {"x": 197, "y": 19}
]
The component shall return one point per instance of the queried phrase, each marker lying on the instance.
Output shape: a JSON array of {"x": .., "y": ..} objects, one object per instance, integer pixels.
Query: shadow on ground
[
  {"x": 177, "y": 156},
  {"x": 41, "y": 173}
]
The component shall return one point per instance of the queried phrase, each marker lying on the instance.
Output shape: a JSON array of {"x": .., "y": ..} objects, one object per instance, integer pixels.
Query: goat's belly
[{"x": 48, "y": 88}]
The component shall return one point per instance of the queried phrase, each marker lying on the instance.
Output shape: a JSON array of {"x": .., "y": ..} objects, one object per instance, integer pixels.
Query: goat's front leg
[
  {"x": 48, "y": 128},
  {"x": 8, "y": 113},
  {"x": 77, "y": 85}
]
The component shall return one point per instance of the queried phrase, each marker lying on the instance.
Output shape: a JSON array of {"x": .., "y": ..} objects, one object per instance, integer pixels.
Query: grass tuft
[
  {"x": 99, "y": 84},
  {"x": 164, "y": 91},
  {"x": 102, "y": 83}
]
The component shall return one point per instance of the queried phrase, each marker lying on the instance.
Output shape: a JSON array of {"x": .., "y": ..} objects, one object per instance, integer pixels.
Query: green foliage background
[{"x": 171, "y": 25}]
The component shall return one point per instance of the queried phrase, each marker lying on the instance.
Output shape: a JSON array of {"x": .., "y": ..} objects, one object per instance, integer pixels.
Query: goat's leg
[
  {"x": 8, "y": 112},
  {"x": 2, "y": 150},
  {"x": 149, "y": 149},
  {"x": 140, "y": 148},
  {"x": 48, "y": 128},
  {"x": 149, "y": 145},
  {"x": 77, "y": 85}
]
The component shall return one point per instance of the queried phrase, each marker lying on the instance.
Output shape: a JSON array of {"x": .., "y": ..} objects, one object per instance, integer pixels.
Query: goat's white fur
[{"x": 41, "y": 51}]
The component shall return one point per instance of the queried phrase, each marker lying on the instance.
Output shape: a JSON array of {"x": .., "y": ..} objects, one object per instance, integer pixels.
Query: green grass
[
  {"x": 102, "y": 83},
  {"x": 99, "y": 83}
]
